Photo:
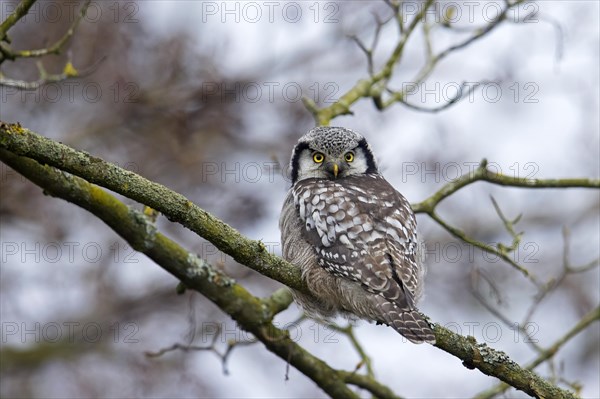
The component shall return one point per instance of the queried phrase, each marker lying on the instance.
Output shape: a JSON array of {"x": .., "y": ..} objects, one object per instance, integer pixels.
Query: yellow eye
[
  {"x": 349, "y": 157},
  {"x": 318, "y": 157}
]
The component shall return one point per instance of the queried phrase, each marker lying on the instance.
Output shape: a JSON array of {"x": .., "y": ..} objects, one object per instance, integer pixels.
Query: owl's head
[{"x": 331, "y": 153}]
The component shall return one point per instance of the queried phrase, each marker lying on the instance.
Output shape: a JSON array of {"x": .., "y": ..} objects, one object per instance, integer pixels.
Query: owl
[{"x": 352, "y": 235}]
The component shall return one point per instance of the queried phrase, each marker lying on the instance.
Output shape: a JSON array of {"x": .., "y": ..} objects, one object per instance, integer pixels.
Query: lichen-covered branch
[
  {"x": 252, "y": 313},
  {"x": 493, "y": 362},
  {"x": 362, "y": 381},
  {"x": 545, "y": 354}
]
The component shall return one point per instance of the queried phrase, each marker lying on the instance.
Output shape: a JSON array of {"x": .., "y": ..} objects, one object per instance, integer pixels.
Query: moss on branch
[{"x": 496, "y": 363}]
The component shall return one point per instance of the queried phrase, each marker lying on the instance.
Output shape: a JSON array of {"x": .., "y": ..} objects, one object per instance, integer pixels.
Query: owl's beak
[{"x": 334, "y": 168}]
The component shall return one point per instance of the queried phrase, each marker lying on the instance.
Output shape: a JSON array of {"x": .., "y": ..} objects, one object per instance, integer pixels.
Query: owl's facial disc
[
  {"x": 331, "y": 153},
  {"x": 317, "y": 164}
]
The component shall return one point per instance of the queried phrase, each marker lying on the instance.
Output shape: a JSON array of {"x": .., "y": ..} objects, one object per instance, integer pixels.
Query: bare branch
[
  {"x": 484, "y": 174},
  {"x": 556, "y": 281},
  {"x": 55, "y": 48},
  {"x": 69, "y": 71},
  {"x": 510, "y": 228},
  {"x": 370, "y": 50},
  {"x": 365, "y": 360},
  {"x": 501, "y": 252},
  {"x": 545, "y": 355},
  {"x": 429, "y": 205},
  {"x": 223, "y": 356},
  {"x": 400, "y": 97},
  {"x": 368, "y": 384},
  {"x": 496, "y": 312}
]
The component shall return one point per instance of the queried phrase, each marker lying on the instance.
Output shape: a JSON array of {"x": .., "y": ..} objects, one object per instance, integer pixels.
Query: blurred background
[{"x": 205, "y": 98}]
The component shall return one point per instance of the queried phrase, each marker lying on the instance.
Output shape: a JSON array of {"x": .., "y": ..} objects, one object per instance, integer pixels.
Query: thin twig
[
  {"x": 45, "y": 78},
  {"x": 57, "y": 47},
  {"x": 20, "y": 11},
  {"x": 365, "y": 360}
]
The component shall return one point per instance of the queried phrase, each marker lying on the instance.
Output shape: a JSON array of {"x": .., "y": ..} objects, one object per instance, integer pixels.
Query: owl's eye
[
  {"x": 349, "y": 157},
  {"x": 318, "y": 157}
]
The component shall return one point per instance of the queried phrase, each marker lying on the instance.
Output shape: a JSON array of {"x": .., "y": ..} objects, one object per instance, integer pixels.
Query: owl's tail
[
  {"x": 409, "y": 323},
  {"x": 414, "y": 327}
]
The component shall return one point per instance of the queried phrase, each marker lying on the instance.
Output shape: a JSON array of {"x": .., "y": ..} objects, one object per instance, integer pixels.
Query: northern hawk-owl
[{"x": 352, "y": 235}]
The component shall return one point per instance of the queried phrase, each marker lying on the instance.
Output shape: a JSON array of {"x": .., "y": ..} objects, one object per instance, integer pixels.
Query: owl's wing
[{"x": 363, "y": 230}]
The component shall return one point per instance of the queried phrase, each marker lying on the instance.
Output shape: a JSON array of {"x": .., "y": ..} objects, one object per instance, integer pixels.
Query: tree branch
[
  {"x": 7, "y": 53},
  {"x": 369, "y": 384},
  {"x": 44, "y": 78},
  {"x": 57, "y": 47},
  {"x": 21, "y": 10},
  {"x": 482, "y": 173}
]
